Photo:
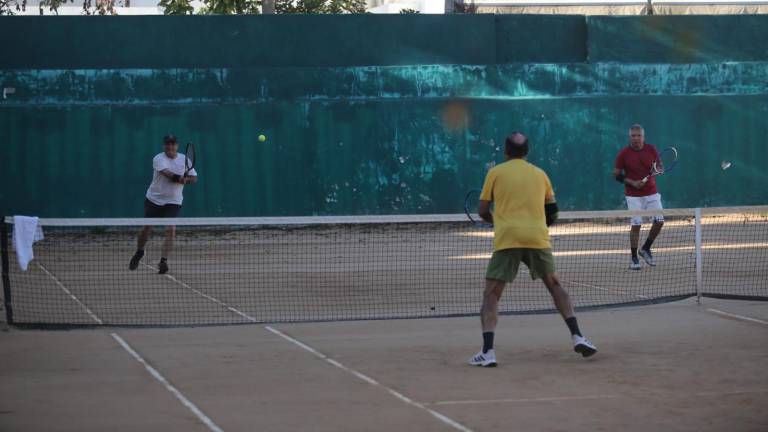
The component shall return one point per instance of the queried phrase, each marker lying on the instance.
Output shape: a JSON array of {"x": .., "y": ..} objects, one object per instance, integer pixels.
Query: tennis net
[{"x": 260, "y": 270}]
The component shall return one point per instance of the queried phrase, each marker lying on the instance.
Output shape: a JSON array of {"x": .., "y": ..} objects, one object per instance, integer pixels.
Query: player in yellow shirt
[{"x": 524, "y": 208}]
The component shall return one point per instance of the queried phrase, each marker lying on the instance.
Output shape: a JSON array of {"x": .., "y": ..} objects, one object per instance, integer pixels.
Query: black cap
[{"x": 170, "y": 138}]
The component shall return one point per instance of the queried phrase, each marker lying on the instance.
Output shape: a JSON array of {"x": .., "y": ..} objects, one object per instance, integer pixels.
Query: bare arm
[{"x": 484, "y": 210}]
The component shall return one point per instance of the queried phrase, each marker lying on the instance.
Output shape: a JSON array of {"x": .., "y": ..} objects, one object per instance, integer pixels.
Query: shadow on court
[{"x": 679, "y": 366}]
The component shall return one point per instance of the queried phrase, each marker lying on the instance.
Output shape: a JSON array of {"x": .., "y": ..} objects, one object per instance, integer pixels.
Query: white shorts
[{"x": 649, "y": 202}]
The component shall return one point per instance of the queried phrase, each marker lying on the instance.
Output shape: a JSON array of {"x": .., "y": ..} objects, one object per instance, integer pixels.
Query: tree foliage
[
  {"x": 176, "y": 7},
  {"x": 90, "y": 7},
  {"x": 184, "y": 7},
  {"x": 319, "y": 6},
  {"x": 230, "y": 7},
  {"x": 465, "y": 8}
]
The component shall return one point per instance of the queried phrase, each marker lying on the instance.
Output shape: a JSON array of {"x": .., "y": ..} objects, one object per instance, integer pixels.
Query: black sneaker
[
  {"x": 162, "y": 267},
  {"x": 135, "y": 260}
]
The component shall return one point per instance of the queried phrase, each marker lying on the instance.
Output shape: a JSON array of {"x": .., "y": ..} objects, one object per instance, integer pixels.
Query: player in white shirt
[{"x": 164, "y": 198}]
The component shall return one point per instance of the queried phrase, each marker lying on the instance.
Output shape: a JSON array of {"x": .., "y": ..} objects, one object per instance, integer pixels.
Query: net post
[
  {"x": 6, "y": 268},
  {"x": 699, "y": 278}
]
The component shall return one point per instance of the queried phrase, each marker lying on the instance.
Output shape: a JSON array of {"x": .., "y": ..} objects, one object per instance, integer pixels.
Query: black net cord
[{"x": 6, "y": 270}]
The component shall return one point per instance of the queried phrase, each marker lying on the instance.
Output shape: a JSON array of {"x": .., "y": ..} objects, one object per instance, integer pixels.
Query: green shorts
[{"x": 505, "y": 263}]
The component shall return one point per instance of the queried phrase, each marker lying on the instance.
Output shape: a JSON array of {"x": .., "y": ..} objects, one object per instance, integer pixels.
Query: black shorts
[{"x": 152, "y": 210}]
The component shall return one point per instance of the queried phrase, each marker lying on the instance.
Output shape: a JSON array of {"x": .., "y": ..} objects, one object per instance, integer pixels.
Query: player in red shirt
[{"x": 632, "y": 164}]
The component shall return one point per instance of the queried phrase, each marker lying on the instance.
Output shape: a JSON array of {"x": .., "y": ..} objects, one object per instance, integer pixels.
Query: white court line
[
  {"x": 168, "y": 386},
  {"x": 612, "y": 290},
  {"x": 69, "y": 293},
  {"x": 526, "y": 400},
  {"x": 577, "y": 398},
  {"x": 206, "y": 296},
  {"x": 369, "y": 380},
  {"x": 590, "y": 252},
  {"x": 739, "y": 317},
  {"x": 640, "y": 296},
  {"x": 730, "y": 393},
  {"x": 186, "y": 402},
  {"x": 447, "y": 420}
]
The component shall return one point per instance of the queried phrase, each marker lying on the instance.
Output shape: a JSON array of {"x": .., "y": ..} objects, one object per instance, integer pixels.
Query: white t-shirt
[{"x": 163, "y": 190}]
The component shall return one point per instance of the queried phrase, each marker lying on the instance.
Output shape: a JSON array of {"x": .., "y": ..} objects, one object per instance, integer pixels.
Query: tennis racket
[
  {"x": 189, "y": 158},
  {"x": 471, "y": 201},
  {"x": 666, "y": 161}
]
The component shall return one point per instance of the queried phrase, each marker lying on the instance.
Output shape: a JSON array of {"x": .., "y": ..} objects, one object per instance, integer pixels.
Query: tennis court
[
  {"x": 676, "y": 366},
  {"x": 323, "y": 351}
]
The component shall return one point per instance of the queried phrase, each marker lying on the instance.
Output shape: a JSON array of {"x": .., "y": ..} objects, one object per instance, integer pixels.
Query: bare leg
[
  {"x": 141, "y": 242},
  {"x": 559, "y": 295},
  {"x": 565, "y": 307},
  {"x": 170, "y": 234},
  {"x": 143, "y": 237},
  {"x": 634, "y": 236},
  {"x": 489, "y": 311},
  {"x": 655, "y": 230}
]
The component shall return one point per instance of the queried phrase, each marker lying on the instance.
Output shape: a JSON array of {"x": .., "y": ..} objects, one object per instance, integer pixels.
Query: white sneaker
[
  {"x": 583, "y": 346},
  {"x": 646, "y": 254},
  {"x": 484, "y": 359},
  {"x": 635, "y": 264}
]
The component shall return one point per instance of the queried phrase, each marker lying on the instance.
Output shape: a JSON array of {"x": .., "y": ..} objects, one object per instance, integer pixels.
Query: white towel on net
[{"x": 26, "y": 231}]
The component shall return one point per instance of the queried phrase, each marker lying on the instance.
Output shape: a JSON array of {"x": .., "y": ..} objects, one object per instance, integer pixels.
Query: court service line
[
  {"x": 578, "y": 398},
  {"x": 445, "y": 419},
  {"x": 730, "y": 393},
  {"x": 69, "y": 293},
  {"x": 612, "y": 290},
  {"x": 168, "y": 386},
  {"x": 738, "y": 317},
  {"x": 186, "y": 402},
  {"x": 206, "y": 296},
  {"x": 526, "y": 400}
]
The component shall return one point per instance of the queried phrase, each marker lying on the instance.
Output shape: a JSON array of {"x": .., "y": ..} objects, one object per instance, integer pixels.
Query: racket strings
[
  {"x": 189, "y": 158},
  {"x": 666, "y": 161}
]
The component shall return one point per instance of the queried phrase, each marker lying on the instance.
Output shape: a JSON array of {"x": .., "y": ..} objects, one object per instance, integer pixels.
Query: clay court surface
[{"x": 678, "y": 366}]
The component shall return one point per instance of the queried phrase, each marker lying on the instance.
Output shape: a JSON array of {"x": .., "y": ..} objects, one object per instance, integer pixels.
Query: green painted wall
[
  {"x": 348, "y": 134},
  {"x": 96, "y": 42},
  {"x": 285, "y": 40},
  {"x": 678, "y": 39}
]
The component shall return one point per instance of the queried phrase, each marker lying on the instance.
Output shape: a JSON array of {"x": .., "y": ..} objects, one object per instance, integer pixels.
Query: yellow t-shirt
[{"x": 519, "y": 191}]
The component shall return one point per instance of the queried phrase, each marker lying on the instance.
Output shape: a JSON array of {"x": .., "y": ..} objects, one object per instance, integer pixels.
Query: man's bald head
[{"x": 516, "y": 146}]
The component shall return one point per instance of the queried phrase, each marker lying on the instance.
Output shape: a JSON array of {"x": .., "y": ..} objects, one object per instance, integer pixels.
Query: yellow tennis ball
[{"x": 262, "y": 138}]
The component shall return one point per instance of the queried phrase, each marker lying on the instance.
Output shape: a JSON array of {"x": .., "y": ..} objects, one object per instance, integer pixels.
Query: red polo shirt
[{"x": 636, "y": 164}]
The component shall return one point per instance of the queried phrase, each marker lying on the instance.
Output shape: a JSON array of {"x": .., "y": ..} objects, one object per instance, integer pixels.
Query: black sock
[
  {"x": 634, "y": 252},
  {"x": 573, "y": 326},
  {"x": 647, "y": 244},
  {"x": 487, "y": 341}
]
